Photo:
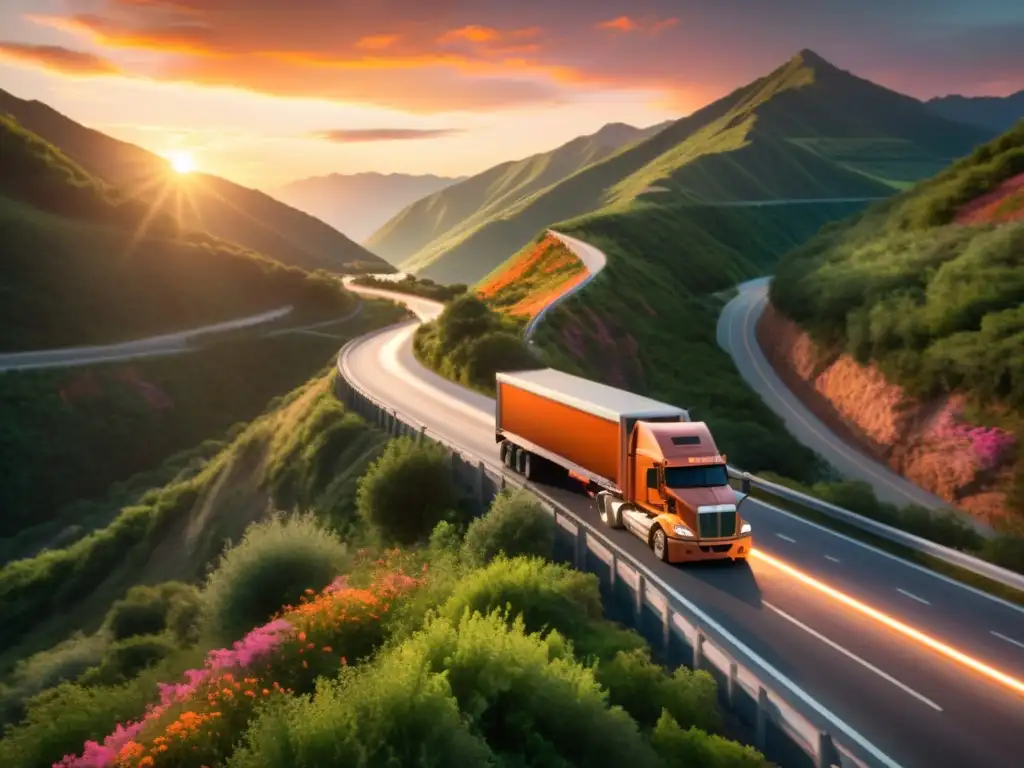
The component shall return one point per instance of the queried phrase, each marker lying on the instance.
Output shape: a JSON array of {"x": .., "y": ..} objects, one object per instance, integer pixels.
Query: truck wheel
[
  {"x": 510, "y": 456},
  {"x": 659, "y": 543},
  {"x": 531, "y": 466},
  {"x": 522, "y": 461},
  {"x": 609, "y": 516},
  {"x": 503, "y": 451}
]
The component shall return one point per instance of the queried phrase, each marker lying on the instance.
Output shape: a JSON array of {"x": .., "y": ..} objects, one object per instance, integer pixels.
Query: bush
[
  {"x": 693, "y": 747},
  {"x": 144, "y": 610},
  {"x": 273, "y": 565},
  {"x": 516, "y": 524},
  {"x": 407, "y": 491},
  {"x": 126, "y": 658},
  {"x": 493, "y": 352}
]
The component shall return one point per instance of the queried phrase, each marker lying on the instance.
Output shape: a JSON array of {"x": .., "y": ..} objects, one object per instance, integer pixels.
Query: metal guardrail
[
  {"x": 787, "y": 722},
  {"x": 948, "y": 555}
]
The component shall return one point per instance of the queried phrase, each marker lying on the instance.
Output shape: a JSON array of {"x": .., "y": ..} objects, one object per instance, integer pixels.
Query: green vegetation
[
  {"x": 434, "y": 654},
  {"x": 69, "y": 434},
  {"x": 469, "y": 343},
  {"x": 85, "y": 264},
  {"x": 532, "y": 278},
  {"x": 936, "y": 305},
  {"x": 422, "y": 232},
  {"x": 424, "y": 287},
  {"x": 197, "y": 201},
  {"x": 806, "y": 131}
]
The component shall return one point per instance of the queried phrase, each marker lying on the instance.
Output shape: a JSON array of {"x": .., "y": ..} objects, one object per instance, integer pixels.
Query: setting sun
[{"x": 181, "y": 162}]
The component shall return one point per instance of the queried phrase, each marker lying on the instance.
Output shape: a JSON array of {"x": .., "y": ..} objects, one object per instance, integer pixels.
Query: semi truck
[{"x": 651, "y": 469}]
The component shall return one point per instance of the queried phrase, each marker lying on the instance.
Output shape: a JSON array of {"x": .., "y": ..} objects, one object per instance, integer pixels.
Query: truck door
[{"x": 654, "y": 498}]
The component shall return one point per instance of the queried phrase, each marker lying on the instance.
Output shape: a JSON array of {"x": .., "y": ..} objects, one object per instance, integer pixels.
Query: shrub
[
  {"x": 693, "y": 747},
  {"x": 493, "y": 352},
  {"x": 144, "y": 610},
  {"x": 273, "y": 565},
  {"x": 516, "y": 524},
  {"x": 126, "y": 658},
  {"x": 407, "y": 491}
]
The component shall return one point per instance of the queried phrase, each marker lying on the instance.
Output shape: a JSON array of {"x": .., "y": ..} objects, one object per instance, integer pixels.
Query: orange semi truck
[{"x": 652, "y": 470}]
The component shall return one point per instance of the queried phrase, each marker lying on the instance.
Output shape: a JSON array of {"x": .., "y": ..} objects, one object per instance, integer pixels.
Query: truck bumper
[{"x": 683, "y": 551}]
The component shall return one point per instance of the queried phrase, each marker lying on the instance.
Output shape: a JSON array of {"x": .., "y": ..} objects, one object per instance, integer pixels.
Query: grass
[
  {"x": 807, "y": 130},
  {"x": 85, "y": 263},
  {"x": 937, "y": 305},
  {"x": 411, "y": 284},
  {"x": 70, "y": 434},
  {"x": 197, "y": 201}
]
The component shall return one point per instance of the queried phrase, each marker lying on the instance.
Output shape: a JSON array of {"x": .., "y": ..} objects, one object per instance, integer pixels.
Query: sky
[{"x": 267, "y": 91}]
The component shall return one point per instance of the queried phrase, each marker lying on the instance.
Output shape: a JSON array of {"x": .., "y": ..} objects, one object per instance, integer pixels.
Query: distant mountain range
[
  {"x": 808, "y": 131},
  {"x": 995, "y": 113},
  {"x": 209, "y": 203},
  {"x": 431, "y": 226},
  {"x": 359, "y": 204}
]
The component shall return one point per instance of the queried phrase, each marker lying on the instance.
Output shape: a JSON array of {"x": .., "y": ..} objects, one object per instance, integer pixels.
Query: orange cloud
[
  {"x": 471, "y": 33},
  {"x": 619, "y": 24},
  {"x": 347, "y": 136},
  {"x": 376, "y": 42},
  {"x": 57, "y": 59},
  {"x": 661, "y": 26}
]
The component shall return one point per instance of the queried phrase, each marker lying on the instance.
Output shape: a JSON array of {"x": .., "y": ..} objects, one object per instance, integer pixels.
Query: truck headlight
[
  {"x": 745, "y": 528},
  {"x": 682, "y": 530}
]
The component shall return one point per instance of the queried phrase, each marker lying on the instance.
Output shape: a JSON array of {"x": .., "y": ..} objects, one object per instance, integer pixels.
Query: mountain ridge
[
  {"x": 227, "y": 210},
  {"x": 997, "y": 113}
]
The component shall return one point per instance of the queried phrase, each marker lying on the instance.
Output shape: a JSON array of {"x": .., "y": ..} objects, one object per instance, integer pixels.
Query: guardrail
[
  {"x": 916, "y": 543},
  {"x": 788, "y": 725}
]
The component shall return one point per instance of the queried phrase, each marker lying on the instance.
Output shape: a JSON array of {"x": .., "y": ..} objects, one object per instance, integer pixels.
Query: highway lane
[
  {"x": 736, "y": 335},
  {"x": 165, "y": 344},
  {"x": 884, "y": 685}
]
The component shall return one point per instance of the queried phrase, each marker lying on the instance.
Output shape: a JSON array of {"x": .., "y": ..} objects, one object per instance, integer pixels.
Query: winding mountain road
[{"x": 916, "y": 706}]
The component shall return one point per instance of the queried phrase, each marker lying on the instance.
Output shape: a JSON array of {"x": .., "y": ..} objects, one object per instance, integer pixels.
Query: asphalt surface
[
  {"x": 736, "y": 332},
  {"x": 165, "y": 344},
  {"x": 915, "y": 705}
]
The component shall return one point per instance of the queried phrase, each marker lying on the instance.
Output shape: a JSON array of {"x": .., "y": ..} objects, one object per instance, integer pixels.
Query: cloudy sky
[{"x": 266, "y": 91}]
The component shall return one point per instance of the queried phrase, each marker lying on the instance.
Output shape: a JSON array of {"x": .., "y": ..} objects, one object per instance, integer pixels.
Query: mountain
[
  {"x": 427, "y": 228},
  {"x": 806, "y": 131},
  {"x": 928, "y": 289},
  {"x": 994, "y": 113},
  {"x": 359, "y": 204},
  {"x": 201, "y": 201},
  {"x": 85, "y": 262}
]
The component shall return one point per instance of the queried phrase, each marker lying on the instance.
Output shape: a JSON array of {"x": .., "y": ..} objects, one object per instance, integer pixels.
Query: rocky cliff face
[{"x": 929, "y": 443}]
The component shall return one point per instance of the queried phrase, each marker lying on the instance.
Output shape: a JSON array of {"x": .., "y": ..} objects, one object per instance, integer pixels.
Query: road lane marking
[
  {"x": 904, "y": 629},
  {"x": 850, "y": 654},
  {"x": 786, "y": 538},
  {"x": 912, "y": 596},
  {"x": 1008, "y": 639},
  {"x": 833, "y": 559}
]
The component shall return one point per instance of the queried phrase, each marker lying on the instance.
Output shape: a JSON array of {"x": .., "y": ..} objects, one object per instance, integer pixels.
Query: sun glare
[{"x": 181, "y": 162}]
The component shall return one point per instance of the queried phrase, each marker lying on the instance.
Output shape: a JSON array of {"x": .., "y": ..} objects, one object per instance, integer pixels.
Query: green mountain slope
[
  {"x": 806, "y": 131},
  {"x": 84, "y": 262},
  {"x": 226, "y": 210},
  {"x": 929, "y": 290},
  {"x": 429, "y": 226}
]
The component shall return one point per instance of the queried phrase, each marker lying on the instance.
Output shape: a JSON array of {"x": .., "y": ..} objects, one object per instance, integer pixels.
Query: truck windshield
[{"x": 710, "y": 476}]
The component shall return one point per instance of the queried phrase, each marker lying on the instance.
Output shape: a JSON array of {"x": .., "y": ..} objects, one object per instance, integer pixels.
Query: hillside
[
  {"x": 924, "y": 293},
  {"x": 359, "y": 204},
  {"x": 806, "y": 131},
  {"x": 427, "y": 228},
  {"x": 994, "y": 113},
  {"x": 199, "y": 201},
  {"x": 86, "y": 263},
  {"x": 532, "y": 278}
]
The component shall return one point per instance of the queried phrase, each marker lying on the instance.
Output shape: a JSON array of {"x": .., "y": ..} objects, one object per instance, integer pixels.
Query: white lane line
[
  {"x": 833, "y": 559},
  {"x": 855, "y": 657},
  {"x": 912, "y": 596},
  {"x": 1001, "y": 636},
  {"x": 889, "y": 556},
  {"x": 786, "y": 538}
]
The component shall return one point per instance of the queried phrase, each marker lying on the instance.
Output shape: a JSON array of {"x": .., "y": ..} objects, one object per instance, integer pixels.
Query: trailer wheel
[
  {"x": 531, "y": 466},
  {"x": 522, "y": 461},
  {"x": 503, "y": 451},
  {"x": 659, "y": 543},
  {"x": 510, "y": 456}
]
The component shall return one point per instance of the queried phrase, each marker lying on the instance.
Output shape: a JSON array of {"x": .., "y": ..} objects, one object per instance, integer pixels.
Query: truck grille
[{"x": 716, "y": 522}]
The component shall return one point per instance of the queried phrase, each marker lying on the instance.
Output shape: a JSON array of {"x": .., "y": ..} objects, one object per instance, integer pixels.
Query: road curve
[
  {"x": 736, "y": 334},
  {"x": 593, "y": 259},
  {"x": 165, "y": 344},
  {"x": 916, "y": 706}
]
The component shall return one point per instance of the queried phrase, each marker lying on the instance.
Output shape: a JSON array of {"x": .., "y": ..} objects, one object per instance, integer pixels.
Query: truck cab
[{"x": 677, "y": 495}]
